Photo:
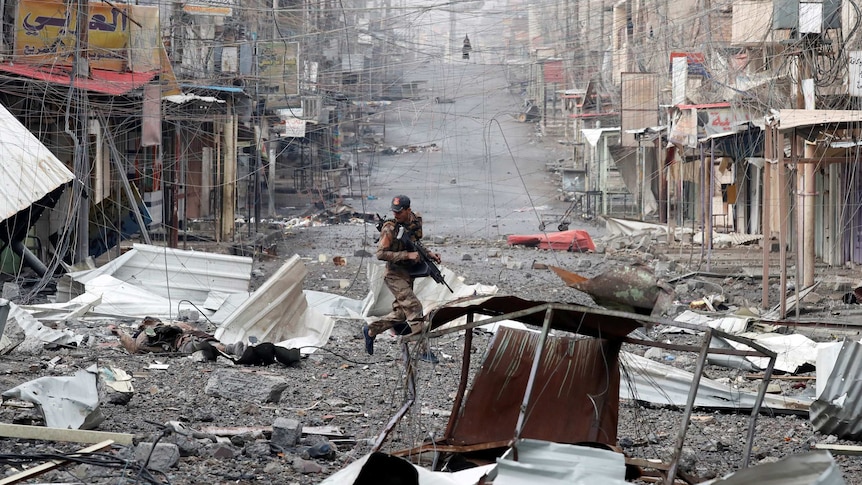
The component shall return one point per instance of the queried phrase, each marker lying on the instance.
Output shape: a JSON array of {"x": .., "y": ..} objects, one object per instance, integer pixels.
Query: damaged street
[
  {"x": 222, "y": 422},
  {"x": 615, "y": 349}
]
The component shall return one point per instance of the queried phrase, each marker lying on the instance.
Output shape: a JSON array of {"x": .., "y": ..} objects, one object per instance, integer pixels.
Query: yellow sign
[{"x": 47, "y": 33}]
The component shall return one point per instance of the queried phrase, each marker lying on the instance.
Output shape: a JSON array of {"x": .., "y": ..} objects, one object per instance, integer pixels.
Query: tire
[
  {"x": 563, "y": 227},
  {"x": 542, "y": 226}
]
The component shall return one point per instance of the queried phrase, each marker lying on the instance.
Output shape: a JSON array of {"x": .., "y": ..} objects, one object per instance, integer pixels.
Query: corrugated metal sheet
[
  {"x": 29, "y": 170},
  {"x": 650, "y": 381},
  {"x": 815, "y": 468},
  {"x": 176, "y": 273},
  {"x": 838, "y": 409},
  {"x": 557, "y": 463},
  {"x": 575, "y": 395},
  {"x": 278, "y": 312}
]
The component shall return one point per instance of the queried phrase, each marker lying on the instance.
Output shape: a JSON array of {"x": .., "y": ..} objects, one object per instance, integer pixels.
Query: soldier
[
  {"x": 402, "y": 268},
  {"x": 153, "y": 335}
]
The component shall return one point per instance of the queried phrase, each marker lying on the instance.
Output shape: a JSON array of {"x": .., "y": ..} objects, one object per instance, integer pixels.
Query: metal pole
[
  {"x": 689, "y": 406},
  {"x": 782, "y": 223},
  {"x": 766, "y": 212},
  {"x": 522, "y": 414},
  {"x": 755, "y": 410},
  {"x": 82, "y": 161}
]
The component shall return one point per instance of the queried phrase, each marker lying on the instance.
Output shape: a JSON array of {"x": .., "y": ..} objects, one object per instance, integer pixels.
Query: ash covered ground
[{"x": 342, "y": 387}]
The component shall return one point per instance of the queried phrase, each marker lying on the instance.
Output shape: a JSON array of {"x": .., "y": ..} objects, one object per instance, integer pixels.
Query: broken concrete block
[
  {"x": 515, "y": 264},
  {"x": 654, "y": 353},
  {"x": 10, "y": 291},
  {"x": 257, "y": 449},
  {"x": 494, "y": 253},
  {"x": 664, "y": 268},
  {"x": 286, "y": 432},
  {"x": 584, "y": 264},
  {"x": 617, "y": 244},
  {"x": 305, "y": 466},
  {"x": 190, "y": 446},
  {"x": 222, "y": 451},
  {"x": 162, "y": 458},
  {"x": 682, "y": 289},
  {"x": 237, "y": 385}
]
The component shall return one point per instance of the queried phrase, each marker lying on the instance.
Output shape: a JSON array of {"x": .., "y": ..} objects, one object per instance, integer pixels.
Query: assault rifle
[{"x": 425, "y": 266}]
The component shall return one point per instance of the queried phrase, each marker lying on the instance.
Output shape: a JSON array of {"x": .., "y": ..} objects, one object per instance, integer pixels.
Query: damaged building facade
[
  {"x": 731, "y": 116},
  {"x": 177, "y": 117}
]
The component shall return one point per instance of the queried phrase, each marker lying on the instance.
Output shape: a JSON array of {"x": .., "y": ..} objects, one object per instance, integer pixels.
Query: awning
[
  {"x": 221, "y": 89},
  {"x": 100, "y": 81}
]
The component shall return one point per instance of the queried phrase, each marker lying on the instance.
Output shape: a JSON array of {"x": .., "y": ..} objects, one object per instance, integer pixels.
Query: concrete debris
[
  {"x": 161, "y": 458},
  {"x": 286, "y": 433},
  {"x": 240, "y": 386}
]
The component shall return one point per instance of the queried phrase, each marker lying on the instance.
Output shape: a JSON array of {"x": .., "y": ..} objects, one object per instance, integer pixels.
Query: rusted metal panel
[
  {"x": 593, "y": 322},
  {"x": 575, "y": 398}
]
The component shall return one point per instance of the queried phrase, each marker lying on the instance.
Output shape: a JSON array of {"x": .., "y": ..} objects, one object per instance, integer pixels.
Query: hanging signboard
[
  {"x": 695, "y": 61},
  {"x": 47, "y": 33},
  {"x": 854, "y": 77},
  {"x": 218, "y": 8},
  {"x": 277, "y": 68}
]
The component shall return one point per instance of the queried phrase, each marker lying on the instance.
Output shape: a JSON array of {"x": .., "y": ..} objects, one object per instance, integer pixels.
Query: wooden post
[{"x": 766, "y": 210}]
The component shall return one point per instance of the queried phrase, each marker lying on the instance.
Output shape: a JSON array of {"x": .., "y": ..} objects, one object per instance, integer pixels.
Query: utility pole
[
  {"x": 78, "y": 97},
  {"x": 258, "y": 114}
]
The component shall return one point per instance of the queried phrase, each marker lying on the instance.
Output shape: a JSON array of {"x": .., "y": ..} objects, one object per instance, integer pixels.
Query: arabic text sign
[{"x": 47, "y": 32}]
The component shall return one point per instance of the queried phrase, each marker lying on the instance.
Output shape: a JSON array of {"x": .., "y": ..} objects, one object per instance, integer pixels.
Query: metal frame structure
[{"x": 592, "y": 322}]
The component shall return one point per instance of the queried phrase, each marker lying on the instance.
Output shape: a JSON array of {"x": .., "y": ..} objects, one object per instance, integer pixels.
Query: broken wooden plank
[
  {"x": 238, "y": 430},
  {"x": 849, "y": 450},
  {"x": 46, "y": 467},
  {"x": 60, "y": 434}
]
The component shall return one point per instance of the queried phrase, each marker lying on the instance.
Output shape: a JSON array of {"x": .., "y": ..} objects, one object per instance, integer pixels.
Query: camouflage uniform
[
  {"x": 154, "y": 336},
  {"x": 406, "y": 307}
]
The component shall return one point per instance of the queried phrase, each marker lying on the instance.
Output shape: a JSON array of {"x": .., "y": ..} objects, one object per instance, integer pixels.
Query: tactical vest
[{"x": 414, "y": 226}]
